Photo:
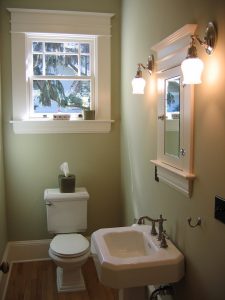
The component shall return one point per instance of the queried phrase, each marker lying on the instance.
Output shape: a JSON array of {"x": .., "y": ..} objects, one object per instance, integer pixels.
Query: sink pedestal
[{"x": 134, "y": 293}]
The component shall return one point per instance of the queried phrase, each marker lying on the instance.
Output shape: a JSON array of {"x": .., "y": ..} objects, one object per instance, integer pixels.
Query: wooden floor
[{"x": 37, "y": 281}]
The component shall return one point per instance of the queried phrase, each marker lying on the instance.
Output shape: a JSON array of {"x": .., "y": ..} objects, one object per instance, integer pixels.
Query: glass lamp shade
[
  {"x": 138, "y": 85},
  {"x": 192, "y": 70}
]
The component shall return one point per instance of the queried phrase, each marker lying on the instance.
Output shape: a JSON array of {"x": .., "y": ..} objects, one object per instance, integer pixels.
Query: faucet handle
[{"x": 163, "y": 242}]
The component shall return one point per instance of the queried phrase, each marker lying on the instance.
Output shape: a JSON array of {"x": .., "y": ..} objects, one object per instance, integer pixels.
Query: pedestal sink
[{"x": 128, "y": 257}]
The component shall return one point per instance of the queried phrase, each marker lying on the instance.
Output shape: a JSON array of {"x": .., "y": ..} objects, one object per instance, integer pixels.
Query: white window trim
[{"x": 30, "y": 21}]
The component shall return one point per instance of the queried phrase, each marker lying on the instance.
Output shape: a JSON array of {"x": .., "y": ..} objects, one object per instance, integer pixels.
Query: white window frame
[{"x": 24, "y": 23}]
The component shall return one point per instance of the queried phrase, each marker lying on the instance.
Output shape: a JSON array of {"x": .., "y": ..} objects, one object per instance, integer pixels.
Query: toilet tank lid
[{"x": 54, "y": 194}]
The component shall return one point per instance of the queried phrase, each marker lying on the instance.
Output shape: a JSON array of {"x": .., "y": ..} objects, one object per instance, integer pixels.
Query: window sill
[
  {"x": 177, "y": 179},
  {"x": 61, "y": 126}
]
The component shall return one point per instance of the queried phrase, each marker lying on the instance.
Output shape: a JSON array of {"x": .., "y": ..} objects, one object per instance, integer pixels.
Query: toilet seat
[{"x": 69, "y": 245}]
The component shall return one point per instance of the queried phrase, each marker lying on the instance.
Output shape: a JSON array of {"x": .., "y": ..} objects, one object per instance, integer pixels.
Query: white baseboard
[
  {"x": 28, "y": 250},
  {"x": 22, "y": 251}
]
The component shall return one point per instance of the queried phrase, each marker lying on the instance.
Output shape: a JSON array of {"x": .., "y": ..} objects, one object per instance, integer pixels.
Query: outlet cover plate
[{"x": 220, "y": 209}]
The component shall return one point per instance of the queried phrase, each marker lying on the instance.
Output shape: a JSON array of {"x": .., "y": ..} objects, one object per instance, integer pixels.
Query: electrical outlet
[{"x": 220, "y": 209}]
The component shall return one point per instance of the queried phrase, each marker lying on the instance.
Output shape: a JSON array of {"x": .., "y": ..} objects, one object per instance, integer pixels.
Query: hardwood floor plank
[{"x": 37, "y": 281}]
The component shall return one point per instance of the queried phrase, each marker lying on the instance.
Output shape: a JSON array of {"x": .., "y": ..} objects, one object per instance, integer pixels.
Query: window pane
[
  {"x": 85, "y": 65},
  {"x": 54, "y": 47},
  {"x": 37, "y": 64},
  {"x": 63, "y": 65},
  {"x": 71, "y": 47},
  {"x": 84, "y": 48},
  {"x": 68, "y": 96},
  {"x": 37, "y": 46}
]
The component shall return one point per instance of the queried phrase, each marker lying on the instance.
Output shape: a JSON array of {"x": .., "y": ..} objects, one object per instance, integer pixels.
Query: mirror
[{"x": 172, "y": 116}]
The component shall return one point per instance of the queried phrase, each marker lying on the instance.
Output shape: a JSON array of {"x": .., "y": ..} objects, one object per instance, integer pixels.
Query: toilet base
[{"x": 69, "y": 280}]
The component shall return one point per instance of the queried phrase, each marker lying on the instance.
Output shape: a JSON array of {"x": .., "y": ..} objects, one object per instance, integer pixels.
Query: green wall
[
  {"x": 32, "y": 161},
  {"x": 145, "y": 23}
]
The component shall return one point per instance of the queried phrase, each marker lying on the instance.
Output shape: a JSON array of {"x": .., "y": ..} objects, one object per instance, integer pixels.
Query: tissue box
[{"x": 66, "y": 184}]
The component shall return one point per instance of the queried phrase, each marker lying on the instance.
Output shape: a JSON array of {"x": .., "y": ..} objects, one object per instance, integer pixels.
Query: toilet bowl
[
  {"x": 66, "y": 216},
  {"x": 69, "y": 252}
]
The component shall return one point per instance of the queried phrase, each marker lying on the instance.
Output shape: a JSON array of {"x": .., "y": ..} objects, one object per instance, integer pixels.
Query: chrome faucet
[{"x": 142, "y": 219}]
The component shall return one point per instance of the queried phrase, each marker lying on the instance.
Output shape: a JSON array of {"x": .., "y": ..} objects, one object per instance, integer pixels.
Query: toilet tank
[{"x": 66, "y": 212}]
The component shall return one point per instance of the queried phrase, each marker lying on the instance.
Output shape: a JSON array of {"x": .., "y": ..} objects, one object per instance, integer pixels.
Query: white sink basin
[
  {"x": 130, "y": 257},
  {"x": 125, "y": 244}
]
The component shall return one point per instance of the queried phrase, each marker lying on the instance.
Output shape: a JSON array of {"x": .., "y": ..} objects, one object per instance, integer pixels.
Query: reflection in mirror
[{"x": 172, "y": 120}]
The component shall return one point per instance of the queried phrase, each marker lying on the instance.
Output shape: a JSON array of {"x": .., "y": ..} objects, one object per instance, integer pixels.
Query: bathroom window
[
  {"x": 61, "y": 75},
  {"x": 60, "y": 63}
]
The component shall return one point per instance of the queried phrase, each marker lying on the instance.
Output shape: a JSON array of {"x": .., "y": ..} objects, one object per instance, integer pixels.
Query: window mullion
[
  {"x": 79, "y": 62},
  {"x": 44, "y": 66}
]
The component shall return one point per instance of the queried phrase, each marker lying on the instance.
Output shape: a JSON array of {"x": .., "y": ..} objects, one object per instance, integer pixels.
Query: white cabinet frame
[{"x": 170, "y": 52}]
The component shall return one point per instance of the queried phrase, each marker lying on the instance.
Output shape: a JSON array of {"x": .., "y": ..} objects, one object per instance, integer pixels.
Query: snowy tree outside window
[{"x": 61, "y": 76}]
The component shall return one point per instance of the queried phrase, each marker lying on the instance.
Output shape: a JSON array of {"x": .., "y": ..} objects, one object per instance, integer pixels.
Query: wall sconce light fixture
[
  {"x": 138, "y": 83},
  {"x": 192, "y": 66}
]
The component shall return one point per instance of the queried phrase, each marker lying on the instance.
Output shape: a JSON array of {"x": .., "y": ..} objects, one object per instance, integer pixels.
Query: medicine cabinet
[{"x": 174, "y": 163}]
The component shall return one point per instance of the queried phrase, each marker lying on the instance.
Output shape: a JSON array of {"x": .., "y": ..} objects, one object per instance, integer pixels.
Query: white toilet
[{"x": 66, "y": 216}]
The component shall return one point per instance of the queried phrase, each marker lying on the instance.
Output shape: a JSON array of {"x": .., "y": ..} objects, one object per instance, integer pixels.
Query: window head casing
[{"x": 49, "y": 51}]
